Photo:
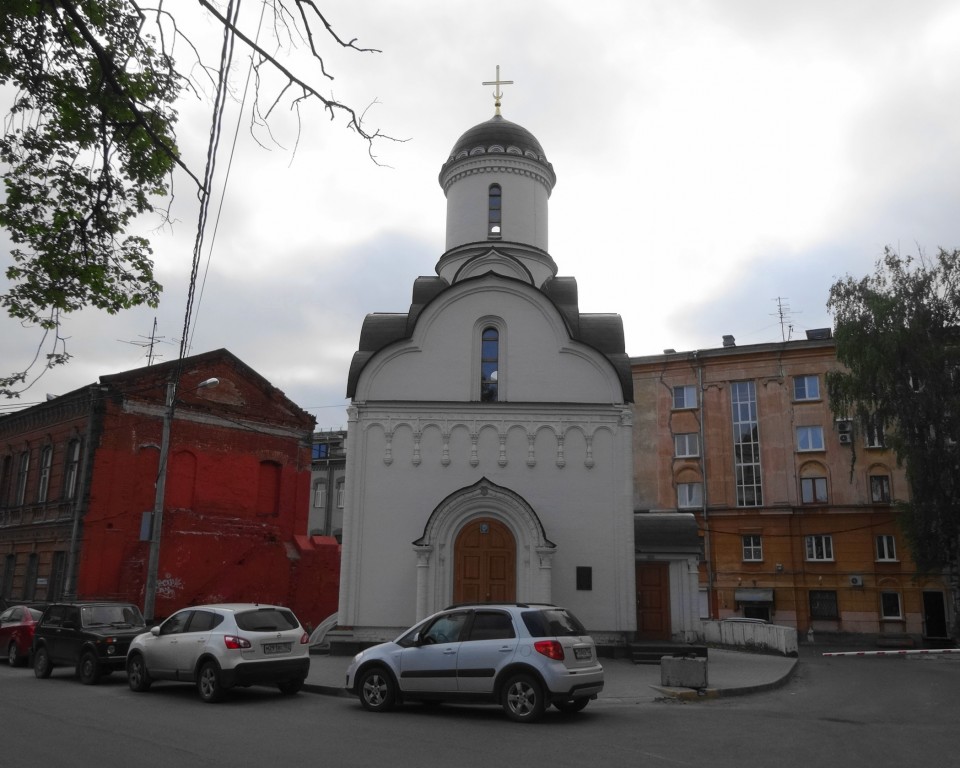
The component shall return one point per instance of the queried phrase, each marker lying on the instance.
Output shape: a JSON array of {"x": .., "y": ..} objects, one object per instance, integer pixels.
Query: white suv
[
  {"x": 220, "y": 646},
  {"x": 521, "y": 656}
]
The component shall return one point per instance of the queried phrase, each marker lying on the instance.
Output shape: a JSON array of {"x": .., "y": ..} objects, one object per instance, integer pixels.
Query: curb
[{"x": 698, "y": 694}]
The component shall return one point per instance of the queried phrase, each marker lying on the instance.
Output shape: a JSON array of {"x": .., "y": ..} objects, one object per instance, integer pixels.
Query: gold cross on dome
[{"x": 497, "y": 94}]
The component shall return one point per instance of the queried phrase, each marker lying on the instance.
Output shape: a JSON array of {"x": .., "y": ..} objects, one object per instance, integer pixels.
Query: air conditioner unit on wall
[
  {"x": 856, "y": 581},
  {"x": 845, "y": 438},
  {"x": 844, "y": 426}
]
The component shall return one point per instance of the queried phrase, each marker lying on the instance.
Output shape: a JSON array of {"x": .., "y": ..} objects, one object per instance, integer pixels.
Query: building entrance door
[
  {"x": 934, "y": 615},
  {"x": 653, "y": 601},
  {"x": 485, "y": 558}
]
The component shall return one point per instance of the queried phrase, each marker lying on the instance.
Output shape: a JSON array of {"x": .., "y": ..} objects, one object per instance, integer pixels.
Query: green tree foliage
[
  {"x": 89, "y": 143},
  {"x": 898, "y": 337}
]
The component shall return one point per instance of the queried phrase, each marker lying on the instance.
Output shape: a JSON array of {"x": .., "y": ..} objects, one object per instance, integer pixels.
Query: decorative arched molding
[{"x": 434, "y": 548}]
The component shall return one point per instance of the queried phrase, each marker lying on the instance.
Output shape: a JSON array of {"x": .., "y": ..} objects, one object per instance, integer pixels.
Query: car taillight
[
  {"x": 235, "y": 643},
  {"x": 549, "y": 648},
  {"x": 304, "y": 638}
]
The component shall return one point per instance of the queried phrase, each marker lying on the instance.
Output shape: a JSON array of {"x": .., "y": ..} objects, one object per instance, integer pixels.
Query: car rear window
[
  {"x": 267, "y": 620},
  {"x": 552, "y": 622}
]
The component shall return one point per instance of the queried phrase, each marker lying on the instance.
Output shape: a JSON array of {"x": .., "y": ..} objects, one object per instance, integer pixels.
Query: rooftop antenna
[
  {"x": 783, "y": 315},
  {"x": 150, "y": 342}
]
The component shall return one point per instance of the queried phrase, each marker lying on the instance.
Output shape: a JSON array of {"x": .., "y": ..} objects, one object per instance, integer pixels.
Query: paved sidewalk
[{"x": 729, "y": 673}]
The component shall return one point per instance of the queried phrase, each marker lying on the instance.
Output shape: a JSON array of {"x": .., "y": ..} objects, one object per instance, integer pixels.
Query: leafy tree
[
  {"x": 898, "y": 337},
  {"x": 89, "y": 142}
]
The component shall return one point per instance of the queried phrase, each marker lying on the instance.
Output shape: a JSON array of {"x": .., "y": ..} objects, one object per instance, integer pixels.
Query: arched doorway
[{"x": 485, "y": 563}]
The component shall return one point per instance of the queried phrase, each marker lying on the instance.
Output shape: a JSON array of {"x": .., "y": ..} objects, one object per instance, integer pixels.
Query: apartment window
[
  {"x": 890, "y": 606},
  {"x": 320, "y": 495},
  {"x": 809, "y": 438},
  {"x": 813, "y": 490},
  {"x": 46, "y": 459},
  {"x": 820, "y": 547},
  {"x": 873, "y": 436},
  {"x": 684, "y": 397},
  {"x": 746, "y": 444},
  {"x": 495, "y": 211},
  {"x": 489, "y": 365},
  {"x": 880, "y": 489},
  {"x": 689, "y": 495},
  {"x": 806, "y": 388},
  {"x": 823, "y": 604},
  {"x": 22, "y": 470},
  {"x": 321, "y": 451},
  {"x": 752, "y": 547},
  {"x": 686, "y": 445},
  {"x": 886, "y": 547},
  {"x": 340, "y": 494},
  {"x": 72, "y": 469}
]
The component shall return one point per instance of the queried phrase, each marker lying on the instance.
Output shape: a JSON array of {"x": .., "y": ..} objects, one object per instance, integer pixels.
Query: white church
[{"x": 490, "y": 427}]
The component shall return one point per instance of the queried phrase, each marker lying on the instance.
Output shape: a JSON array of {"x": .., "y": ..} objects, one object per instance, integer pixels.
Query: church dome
[{"x": 497, "y": 135}]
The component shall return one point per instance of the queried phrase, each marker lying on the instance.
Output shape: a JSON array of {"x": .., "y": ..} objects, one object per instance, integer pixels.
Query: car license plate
[
  {"x": 582, "y": 653},
  {"x": 271, "y": 648}
]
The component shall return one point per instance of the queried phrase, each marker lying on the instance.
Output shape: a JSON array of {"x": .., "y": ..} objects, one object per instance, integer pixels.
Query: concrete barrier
[
  {"x": 683, "y": 672},
  {"x": 751, "y": 635}
]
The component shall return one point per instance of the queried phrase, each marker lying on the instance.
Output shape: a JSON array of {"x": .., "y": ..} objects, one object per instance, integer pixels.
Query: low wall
[{"x": 758, "y": 637}]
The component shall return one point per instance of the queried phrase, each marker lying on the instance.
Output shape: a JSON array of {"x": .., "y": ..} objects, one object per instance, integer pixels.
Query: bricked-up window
[
  {"x": 752, "y": 547},
  {"x": 823, "y": 604},
  {"x": 746, "y": 444},
  {"x": 489, "y": 365},
  {"x": 890, "y": 606},
  {"x": 495, "y": 212},
  {"x": 268, "y": 488},
  {"x": 886, "y": 547}
]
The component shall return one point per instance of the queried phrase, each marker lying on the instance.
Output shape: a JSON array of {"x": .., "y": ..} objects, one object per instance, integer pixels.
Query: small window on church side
[
  {"x": 489, "y": 363},
  {"x": 494, "y": 211}
]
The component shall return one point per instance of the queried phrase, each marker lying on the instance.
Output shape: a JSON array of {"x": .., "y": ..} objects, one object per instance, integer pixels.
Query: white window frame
[
  {"x": 689, "y": 495},
  {"x": 320, "y": 495},
  {"x": 682, "y": 448},
  {"x": 752, "y": 544},
  {"x": 46, "y": 462},
  {"x": 802, "y": 388},
  {"x": 884, "y": 615},
  {"x": 340, "y": 494},
  {"x": 809, "y": 439},
  {"x": 23, "y": 471},
  {"x": 819, "y": 548},
  {"x": 688, "y": 397},
  {"x": 886, "y": 548}
]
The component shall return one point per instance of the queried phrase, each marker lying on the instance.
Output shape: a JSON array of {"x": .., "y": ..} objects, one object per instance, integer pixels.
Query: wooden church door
[{"x": 485, "y": 563}]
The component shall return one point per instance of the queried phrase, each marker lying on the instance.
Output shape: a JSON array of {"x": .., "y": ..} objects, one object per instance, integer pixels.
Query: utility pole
[{"x": 156, "y": 520}]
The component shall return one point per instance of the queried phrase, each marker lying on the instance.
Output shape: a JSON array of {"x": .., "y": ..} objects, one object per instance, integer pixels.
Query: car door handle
[
  {"x": 506, "y": 649},
  {"x": 449, "y": 651}
]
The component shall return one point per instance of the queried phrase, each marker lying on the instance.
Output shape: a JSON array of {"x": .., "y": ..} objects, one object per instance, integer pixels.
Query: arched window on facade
[
  {"x": 494, "y": 212},
  {"x": 46, "y": 461},
  {"x": 489, "y": 365}
]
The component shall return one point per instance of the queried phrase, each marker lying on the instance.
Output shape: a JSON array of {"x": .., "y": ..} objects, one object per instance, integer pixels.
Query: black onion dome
[{"x": 497, "y": 135}]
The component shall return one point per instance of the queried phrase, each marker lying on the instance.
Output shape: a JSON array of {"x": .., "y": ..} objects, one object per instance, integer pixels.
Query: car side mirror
[{"x": 155, "y": 631}]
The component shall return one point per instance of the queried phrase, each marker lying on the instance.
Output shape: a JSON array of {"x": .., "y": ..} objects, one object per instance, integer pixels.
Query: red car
[{"x": 16, "y": 631}]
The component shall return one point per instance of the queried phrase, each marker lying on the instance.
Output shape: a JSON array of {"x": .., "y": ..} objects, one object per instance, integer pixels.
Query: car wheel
[
  {"x": 290, "y": 687},
  {"x": 572, "y": 706},
  {"x": 137, "y": 676},
  {"x": 89, "y": 669},
  {"x": 377, "y": 690},
  {"x": 13, "y": 657},
  {"x": 208, "y": 683},
  {"x": 41, "y": 663},
  {"x": 523, "y": 699}
]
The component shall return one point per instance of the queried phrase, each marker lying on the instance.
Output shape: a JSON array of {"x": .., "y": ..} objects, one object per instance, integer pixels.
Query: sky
[{"x": 720, "y": 164}]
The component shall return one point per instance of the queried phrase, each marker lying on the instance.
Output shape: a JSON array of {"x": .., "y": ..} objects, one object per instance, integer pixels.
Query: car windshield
[
  {"x": 552, "y": 622},
  {"x": 267, "y": 620},
  {"x": 110, "y": 616}
]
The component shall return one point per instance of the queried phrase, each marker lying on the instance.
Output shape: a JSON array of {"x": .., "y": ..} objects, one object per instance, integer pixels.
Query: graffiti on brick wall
[{"x": 169, "y": 586}]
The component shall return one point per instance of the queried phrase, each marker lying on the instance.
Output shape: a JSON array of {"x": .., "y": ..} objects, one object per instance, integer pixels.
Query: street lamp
[{"x": 156, "y": 522}]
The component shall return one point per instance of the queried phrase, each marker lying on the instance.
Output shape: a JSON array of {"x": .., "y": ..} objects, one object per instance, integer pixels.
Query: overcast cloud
[{"x": 711, "y": 157}]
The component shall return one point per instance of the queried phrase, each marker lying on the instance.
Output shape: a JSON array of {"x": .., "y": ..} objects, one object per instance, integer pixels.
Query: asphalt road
[{"x": 835, "y": 712}]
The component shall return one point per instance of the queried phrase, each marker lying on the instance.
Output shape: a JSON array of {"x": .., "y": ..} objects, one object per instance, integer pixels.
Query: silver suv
[
  {"x": 220, "y": 646},
  {"x": 521, "y": 656}
]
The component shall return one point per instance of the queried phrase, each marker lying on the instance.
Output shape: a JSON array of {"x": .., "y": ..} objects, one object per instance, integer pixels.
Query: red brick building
[
  {"x": 78, "y": 484},
  {"x": 794, "y": 508}
]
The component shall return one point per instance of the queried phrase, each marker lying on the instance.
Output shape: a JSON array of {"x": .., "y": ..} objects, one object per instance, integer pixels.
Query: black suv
[{"x": 91, "y": 637}]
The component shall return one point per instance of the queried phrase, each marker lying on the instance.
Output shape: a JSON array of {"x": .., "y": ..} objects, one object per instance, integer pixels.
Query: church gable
[{"x": 536, "y": 358}]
